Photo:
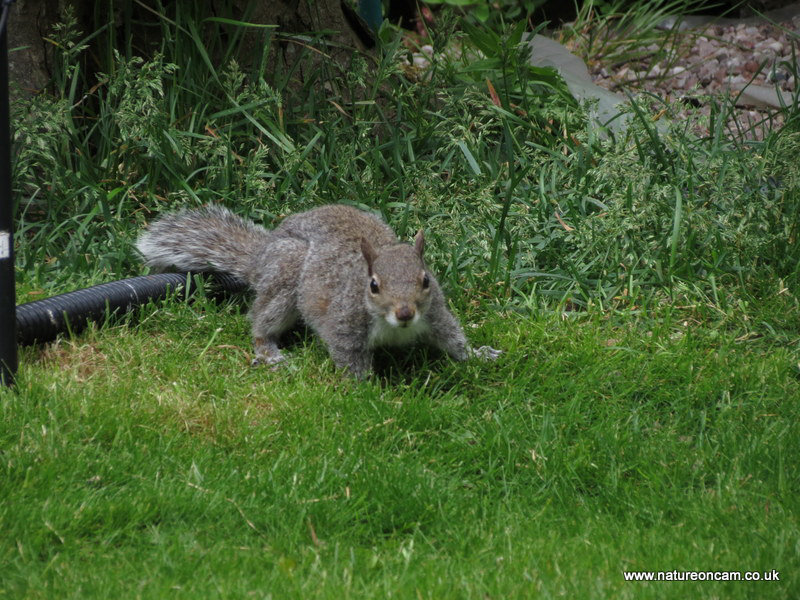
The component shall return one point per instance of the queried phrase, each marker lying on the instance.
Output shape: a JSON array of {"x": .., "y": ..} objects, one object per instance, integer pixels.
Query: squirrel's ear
[
  {"x": 369, "y": 254},
  {"x": 419, "y": 243}
]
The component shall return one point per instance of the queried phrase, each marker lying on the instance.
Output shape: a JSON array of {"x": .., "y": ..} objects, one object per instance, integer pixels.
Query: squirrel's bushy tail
[{"x": 207, "y": 239}]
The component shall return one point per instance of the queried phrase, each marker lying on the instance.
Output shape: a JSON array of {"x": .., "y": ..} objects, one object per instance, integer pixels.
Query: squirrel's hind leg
[
  {"x": 273, "y": 318},
  {"x": 274, "y": 308}
]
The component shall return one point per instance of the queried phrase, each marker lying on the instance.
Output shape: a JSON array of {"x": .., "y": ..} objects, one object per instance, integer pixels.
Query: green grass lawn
[{"x": 152, "y": 462}]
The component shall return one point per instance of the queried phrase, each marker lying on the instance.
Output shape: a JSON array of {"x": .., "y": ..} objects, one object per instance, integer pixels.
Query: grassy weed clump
[
  {"x": 696, "y": 214},
  {"x": 490, "y": 155},
  {"x": 101, "y": 151},
  {"x": 620, "y": 32}
]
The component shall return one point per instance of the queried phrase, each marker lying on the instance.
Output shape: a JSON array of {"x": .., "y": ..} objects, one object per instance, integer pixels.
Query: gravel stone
[{"x": 715, "y": 60}]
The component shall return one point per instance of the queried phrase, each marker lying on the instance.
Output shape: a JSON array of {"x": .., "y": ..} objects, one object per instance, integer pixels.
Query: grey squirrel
[{"x": 342, "y": 270}]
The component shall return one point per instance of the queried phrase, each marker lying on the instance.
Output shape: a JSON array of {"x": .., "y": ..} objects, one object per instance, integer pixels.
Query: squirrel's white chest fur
[{"x": 389, "y": 332}]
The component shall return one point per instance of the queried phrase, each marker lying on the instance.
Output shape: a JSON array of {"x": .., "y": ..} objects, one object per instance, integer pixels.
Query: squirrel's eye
[
  {"x": 373, "y": 286},
  {"x": 426, "y": 281}
]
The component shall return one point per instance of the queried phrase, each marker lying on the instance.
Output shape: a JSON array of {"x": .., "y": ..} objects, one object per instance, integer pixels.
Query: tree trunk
[{"x": 29, "y": 21}]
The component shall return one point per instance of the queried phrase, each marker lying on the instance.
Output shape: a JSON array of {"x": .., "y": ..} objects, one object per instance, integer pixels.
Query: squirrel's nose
[{"x": 404, "y": 314}]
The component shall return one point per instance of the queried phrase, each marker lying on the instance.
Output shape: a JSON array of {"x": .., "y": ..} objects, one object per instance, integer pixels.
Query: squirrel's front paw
[{"x": 485, "y": 353}]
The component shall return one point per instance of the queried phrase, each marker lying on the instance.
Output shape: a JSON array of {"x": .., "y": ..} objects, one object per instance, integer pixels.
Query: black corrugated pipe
[
  {"x": 8, "y": 344},
  {"x": 42, "y": 320}
]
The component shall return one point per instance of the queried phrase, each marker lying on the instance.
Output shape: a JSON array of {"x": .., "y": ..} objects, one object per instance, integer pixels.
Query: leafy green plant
[
  {"x": 493, "y": 13},
  {"x": 619, "y": 32}
]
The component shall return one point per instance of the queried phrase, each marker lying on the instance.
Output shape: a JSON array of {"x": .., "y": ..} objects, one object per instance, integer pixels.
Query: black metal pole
[{"x": 8, "y": 300}]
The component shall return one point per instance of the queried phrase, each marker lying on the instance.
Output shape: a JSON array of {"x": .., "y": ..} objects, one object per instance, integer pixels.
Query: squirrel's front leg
[
  {"x": 348, "y": 347},
  {"x": 357, "y": 360},
  {"x": 446, "y": 334}
]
